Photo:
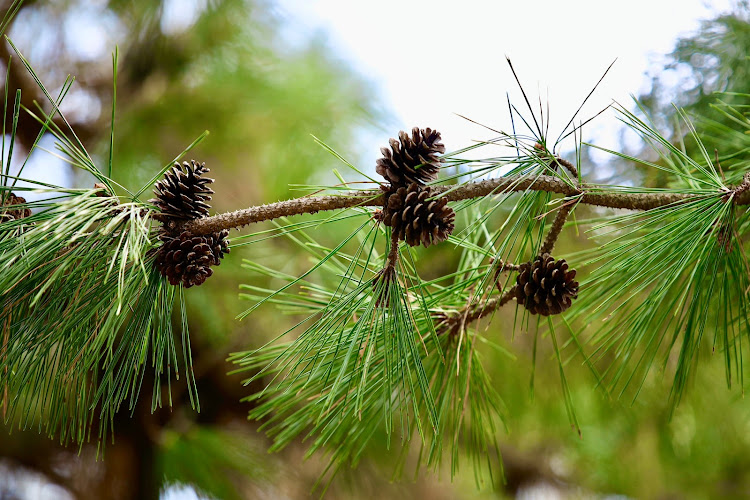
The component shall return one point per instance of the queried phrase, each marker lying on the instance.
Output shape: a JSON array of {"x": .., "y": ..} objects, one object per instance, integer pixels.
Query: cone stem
[{"x": 393, "y": 253}]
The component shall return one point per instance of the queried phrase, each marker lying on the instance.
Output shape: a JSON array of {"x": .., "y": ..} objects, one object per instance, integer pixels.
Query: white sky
[{"x": 433, "y": 59}]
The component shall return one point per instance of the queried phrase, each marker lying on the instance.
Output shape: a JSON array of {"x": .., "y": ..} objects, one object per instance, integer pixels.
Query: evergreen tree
[{"x": 387, "y": 346}]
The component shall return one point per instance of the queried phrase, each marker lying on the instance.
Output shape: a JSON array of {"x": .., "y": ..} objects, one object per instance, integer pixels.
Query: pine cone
[
  {"x": 15, "y": 213},
  {"x": 417, "y": 220},
  {"x": 188, "y": 258},
  {"x": 183, "y": 193},
  {"x": 545, "y": 286},
  {"x": 413, "y": 159}
]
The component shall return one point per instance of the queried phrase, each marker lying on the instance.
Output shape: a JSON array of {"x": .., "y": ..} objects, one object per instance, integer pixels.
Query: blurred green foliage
[
  {"x": 232, "y": 74},
  {"x": 712, "y": 60}
]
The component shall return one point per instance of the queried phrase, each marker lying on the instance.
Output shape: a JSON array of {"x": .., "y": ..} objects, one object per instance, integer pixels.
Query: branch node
[
  {"x": 743, "y": 187},
  {"x": 454, "y": 323},
  {"x": 502, "y": 266}
]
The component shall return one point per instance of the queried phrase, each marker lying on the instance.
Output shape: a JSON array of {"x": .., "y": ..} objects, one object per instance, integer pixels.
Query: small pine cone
[
  {"x": 15, "y": 213},
  {"x": 546, "y": 286},
  {"x": 412, "y": 158},
  {"x": 188, "y": 258},
  {"x": 183, "y": 193},
  {"x": 417, "y": 220}
]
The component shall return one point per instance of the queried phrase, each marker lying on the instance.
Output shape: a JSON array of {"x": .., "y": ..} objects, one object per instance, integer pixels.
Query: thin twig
[
  {"x": 388, "y": 274},
  {"x": 557, "y": 225},
  {"x": 472, "y": 313},
  {"x": 571, "y": 168},
  {"x": 393, "y": 253},
  {"x": 553, "y": 161},
  {"x": 503, "y": 266}
]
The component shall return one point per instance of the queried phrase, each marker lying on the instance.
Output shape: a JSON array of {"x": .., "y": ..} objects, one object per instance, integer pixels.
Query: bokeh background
[{"x": 262, "y": 77}]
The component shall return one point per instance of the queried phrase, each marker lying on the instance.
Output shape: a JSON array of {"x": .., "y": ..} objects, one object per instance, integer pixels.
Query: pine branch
[
  {"x": 590, "y": 195},
  {"x": 565, "y": 163},
  {"x": 473, "y": 312},
  {"x": 557, "y": 225}
]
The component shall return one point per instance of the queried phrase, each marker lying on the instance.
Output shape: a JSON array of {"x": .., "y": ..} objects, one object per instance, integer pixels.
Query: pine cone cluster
[
  {"x": 546, "y": 286},
  {"x": 415, "y": 219},
  {"x": 183, "y": 193},
  {"x": 412, "y": 159},
  {"x": 16, "y": 213},
  {"x": 188, "y": 258}
]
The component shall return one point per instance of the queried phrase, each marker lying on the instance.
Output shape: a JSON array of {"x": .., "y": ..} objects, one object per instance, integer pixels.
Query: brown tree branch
[
  {"x": 471, "y": 313},
  {"x": 571, "y": 168},
  {"x": 308, "y": 205},
  {"x": 557, "y": 225},
  {"x": 590, "y": 195}
]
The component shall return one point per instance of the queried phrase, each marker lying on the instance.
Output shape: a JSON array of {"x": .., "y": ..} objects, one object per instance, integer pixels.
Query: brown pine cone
[
  {"x": 15, "y": 213},
  {"x": 417, "y": 220},
  {"x": 219, "y": 245},
  {"x": 188, "y": 258},
  {"x": 183, "y": 193},
  {"x": 546, "y": 286},
  {"x": 412, "y": 158}
]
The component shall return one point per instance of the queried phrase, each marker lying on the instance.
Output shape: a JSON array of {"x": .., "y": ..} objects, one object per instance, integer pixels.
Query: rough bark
[{"x": 590, "y": 195}]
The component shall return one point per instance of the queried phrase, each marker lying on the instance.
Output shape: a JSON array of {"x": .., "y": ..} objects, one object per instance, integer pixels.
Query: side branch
[
  {"x": 470, "y": 314},
  {"x": 557, "y": 225},
  {"x": 374, "y": 198}
]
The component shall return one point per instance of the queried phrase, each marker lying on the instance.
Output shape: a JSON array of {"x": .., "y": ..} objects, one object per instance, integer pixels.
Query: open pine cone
[
  {"x": 417, "y": 220},
  {"x": 546, "y": 286},
  {"x": 15, "y": 213},
  {"x": 412, "y": 158},
  {"x": 188, "y": 258},
  {"x": 183, "y": 193}
]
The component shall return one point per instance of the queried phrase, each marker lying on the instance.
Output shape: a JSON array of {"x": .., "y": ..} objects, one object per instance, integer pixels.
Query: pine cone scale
[
  {"x": 411, "y": 159},
  {"x": 415, "y": 220},
  {"x": 545, "y": 286},
  {"x": 187, "y": 258},
  {"x": 183, "y": 194}
]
